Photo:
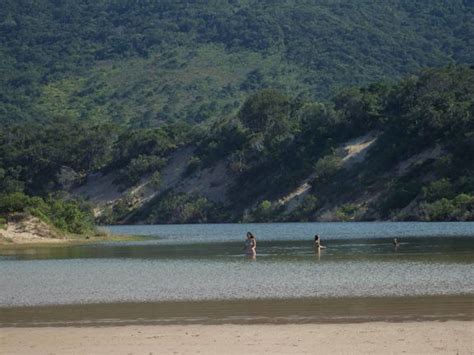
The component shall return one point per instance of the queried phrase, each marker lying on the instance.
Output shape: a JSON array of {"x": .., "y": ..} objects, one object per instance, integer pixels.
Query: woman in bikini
[
  {"x": 250, "y": 245},
  {"x": 317, "y": 242}
]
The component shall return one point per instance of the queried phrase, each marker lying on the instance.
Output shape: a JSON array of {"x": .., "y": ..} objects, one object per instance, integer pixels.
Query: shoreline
[
  {"x": 429, "y": 337},
  {"x": 68, "y": 241},
  {"x": 245, "y": 311},
  {"x": 24, "y": 229}
]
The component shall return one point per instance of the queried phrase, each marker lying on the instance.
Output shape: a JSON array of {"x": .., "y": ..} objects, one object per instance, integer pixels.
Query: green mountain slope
[
  {"x": 398, "y": 151},
  {"x": 142, "y": 63},
  {"x": 403, "y": 151}
]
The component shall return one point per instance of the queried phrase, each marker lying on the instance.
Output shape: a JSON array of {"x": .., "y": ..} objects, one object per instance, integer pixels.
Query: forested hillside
[
  {"x": 383, "y": 151},
  {"x": 403, "y": 151},
  {"x": 238, "y": 110},
  {"x": 145, "y": 63}
]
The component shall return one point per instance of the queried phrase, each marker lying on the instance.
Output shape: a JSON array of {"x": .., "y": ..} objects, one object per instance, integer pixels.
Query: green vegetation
[
  {"x": 347, "y": 212},
  {"x": 327, "y": 167},
  {"x": 438, "y": 189},
  {"x": 269, "y": 146},
  {"x": 264, "y": 212},
  {"x": 143, "y": 63},
  {"x": 193, "y": 164},
  {"x": 40, "y": 159},
  {"x": 3, "y": 223},
  {"x": 271, "y": 90},
  {"x": 285, "y": 140},
  {"x": 307, "y": 207},
  {"x": 460, "y": 208},
  {"x": 182, "y": 208},
  {"x": 67, "y": 215}
]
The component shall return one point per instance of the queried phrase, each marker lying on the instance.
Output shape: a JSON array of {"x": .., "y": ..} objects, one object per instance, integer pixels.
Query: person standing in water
[
  {"x": 250, "y": 245},
  {"x": 396, "y": 243},
  {"x": 317, "y": 242}
]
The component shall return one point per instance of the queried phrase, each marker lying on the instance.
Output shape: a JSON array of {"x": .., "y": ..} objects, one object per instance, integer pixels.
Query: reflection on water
[
  {"x": 207, "y": 262},
  {"x": 452, "y": 249}
]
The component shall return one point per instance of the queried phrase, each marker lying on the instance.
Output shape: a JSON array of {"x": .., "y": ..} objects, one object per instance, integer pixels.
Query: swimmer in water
[{"x": 396, "y": 243}]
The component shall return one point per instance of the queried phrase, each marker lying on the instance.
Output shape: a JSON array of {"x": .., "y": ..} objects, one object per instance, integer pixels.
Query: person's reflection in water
[
  {"x": 318, "y": 253},
  {"x": 396, "y": 243}
]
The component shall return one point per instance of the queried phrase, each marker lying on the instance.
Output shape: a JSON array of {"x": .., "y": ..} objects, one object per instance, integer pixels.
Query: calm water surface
[{"x": 206, "y": 262}]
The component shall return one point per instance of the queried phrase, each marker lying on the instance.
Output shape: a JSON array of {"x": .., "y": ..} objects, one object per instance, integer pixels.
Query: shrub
[
  {"x": 347, "y": 212},
  {"x": 441, "y": 210},
  {"x": 308, "y": 206},
  {"x": 264, "y": 212},
  {"x": 265, "y": 109},
  {"x": 400, "y": 195},
  {"x": 155, "y": 180},
  {"x": 461, "y": 208},
  {"x": 3, "y": 223},
  {"x": 194, "y": 164},
  {"x": 67, "y": 215},
  {"x": 14, "y": 202},
  {"x": 327, "y": 167},
  {"x": 438, "y": 189},
  {"x": 137, "y": 168}
]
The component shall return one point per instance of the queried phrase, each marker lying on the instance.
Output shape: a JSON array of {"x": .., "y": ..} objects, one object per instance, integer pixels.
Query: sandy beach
[{"x": 451, "y": 337}]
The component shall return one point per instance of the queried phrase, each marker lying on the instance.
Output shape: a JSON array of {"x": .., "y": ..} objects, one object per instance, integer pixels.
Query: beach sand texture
[{"x": 431, "y": 337}]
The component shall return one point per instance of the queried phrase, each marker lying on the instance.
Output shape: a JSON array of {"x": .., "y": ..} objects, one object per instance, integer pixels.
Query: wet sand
[
  {"x": 252, "y": 311},
  {"x": 430, "y": 337},
  {"x": 378, "y": 325}
]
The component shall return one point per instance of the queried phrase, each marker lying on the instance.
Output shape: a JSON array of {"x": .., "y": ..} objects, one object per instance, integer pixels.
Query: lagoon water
[{"x": 206, "y": 262}]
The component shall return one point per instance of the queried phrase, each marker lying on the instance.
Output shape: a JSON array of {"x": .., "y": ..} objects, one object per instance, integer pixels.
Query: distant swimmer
[
  {"x": 317, "y": 242},
  {"x": 250, "y": 245},
  {"x": 395, "y": 242}
]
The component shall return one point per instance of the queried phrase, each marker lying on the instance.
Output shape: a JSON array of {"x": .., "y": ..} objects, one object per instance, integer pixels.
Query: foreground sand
[{"x": 451, "y": 337}]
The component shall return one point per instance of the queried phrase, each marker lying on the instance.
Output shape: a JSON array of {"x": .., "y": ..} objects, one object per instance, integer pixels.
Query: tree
[{"x": 268, "y": 110}]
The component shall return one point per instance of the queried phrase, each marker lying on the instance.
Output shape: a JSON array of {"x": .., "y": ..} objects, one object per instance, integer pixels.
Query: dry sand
[
  {"x": 30, "y": 230},
  {"x": 451, "y": 337}
]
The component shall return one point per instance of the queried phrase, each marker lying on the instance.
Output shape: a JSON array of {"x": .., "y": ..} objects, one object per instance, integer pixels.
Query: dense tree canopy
[{"x": 147, "y": 62}]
